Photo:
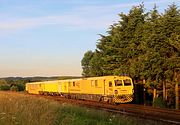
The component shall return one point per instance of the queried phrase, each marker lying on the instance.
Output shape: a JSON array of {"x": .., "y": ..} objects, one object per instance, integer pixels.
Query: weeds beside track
[
  {"x": 25, "y": 109},
  {"x": 167, "y": 116}
]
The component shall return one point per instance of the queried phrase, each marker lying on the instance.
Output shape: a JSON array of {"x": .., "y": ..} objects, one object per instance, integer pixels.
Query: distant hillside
[{"x": 38, "y": 78}]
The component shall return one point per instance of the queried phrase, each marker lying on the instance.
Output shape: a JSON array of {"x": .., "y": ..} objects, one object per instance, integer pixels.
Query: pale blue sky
[{"x": 50, "y": 37}]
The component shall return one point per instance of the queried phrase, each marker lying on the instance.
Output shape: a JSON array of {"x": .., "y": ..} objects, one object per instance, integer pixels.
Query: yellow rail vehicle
[
  {"x": 114, "y": 89},
  {"x": 34, "y": 88}
]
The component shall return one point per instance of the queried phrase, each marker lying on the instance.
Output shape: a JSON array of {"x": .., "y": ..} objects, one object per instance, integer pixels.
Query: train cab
[{"x": 121, "y": 88}]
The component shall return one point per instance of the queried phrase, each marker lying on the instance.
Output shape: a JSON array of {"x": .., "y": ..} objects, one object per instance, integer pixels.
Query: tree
[
  {"x": 85, "y": 62},
  {"x": 3, "y": 82},
  {"x": 14, "y": 88},
  {"x": 121, "y": 47},
  {"x": 96, "y": 63},
  {"x": 4, "y": 85},
  {"x": 171, "y": 29},
  {"x": 146, "y": 46}
]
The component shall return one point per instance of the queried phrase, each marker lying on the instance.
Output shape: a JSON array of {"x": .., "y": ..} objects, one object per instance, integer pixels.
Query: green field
[{"x": 21, "y": 109}]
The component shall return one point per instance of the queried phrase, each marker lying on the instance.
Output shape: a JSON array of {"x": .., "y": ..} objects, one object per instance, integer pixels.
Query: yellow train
[{"x": 112, "y": 89}]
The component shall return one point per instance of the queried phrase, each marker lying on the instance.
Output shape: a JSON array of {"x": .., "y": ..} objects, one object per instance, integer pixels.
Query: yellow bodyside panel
[
  {"x": 110, "y": 86},
  {"x": 85, "y": 86},
  {"x": 75, "y": 86},
  {"x": 64, "y": 86},
  {"x": 99, "y": 88},
  {"x": 51, "y": 86},
  {"x": 33, "y": 88},
  {"x": 92, "y": 86}
]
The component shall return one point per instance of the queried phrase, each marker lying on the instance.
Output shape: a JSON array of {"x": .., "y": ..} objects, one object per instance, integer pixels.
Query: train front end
[{"x": 123, "y": 89}]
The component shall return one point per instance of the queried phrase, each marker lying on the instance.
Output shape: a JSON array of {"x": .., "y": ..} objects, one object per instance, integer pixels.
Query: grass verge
[{"x": 20, "y": 109}]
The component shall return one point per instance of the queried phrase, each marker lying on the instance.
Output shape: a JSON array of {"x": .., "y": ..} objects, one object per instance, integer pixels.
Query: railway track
[
  {"x": 170, "y": 117},
  {"x": 167, "y": 116}
]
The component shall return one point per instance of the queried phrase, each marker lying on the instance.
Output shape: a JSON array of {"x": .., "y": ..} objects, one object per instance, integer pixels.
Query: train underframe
[{"x": 94, "y": 97}]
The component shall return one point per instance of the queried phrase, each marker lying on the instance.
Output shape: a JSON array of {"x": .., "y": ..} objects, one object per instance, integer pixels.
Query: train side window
[
  {"x": 110, "y": 83},
  {"x": 127, "y": 82},
  {"x": 73, "y": 83},
  {"x": 96, "y": 83},
  {"x": 118, "y": 82}
]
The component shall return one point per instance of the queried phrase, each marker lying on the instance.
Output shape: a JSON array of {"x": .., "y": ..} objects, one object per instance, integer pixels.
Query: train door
[
  {"x": 109, "y": 87},
  {"x": 104, "y": 86},
  {"x": 64, "y": 87},
  {"x": 67, "y": 86},
  {"x": 59, "y": 87}
]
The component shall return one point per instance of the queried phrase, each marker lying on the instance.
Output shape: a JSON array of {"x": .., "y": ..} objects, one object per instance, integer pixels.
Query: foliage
[
  {"x": 171, "y": 98},
  {"x": 14, "y": 85},
  {"x": 86, "y": 63},
  {"x": 159, "y": 102},
  {"x": 144, "y": 45},
  {"x": 20, "y": 87},
  {"x": 5, "y": 87},
  {"x": 3, "y": 82},
  {"x": 14, "y": 88}
]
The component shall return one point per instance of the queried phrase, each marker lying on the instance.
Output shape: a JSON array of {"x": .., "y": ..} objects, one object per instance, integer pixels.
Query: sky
[{"x": 50, "y": 37}]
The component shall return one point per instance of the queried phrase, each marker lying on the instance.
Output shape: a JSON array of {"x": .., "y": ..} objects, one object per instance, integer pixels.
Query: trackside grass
[
  {"x": 26, "y": 110},
  {"x": 20, "y": 109}
]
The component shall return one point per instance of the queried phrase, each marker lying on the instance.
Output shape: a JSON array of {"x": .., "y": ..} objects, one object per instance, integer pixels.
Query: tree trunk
[
  {"x": 166, "y": 94},
  {"x": 164, "y": 89},
  {"x": 176, "y": 91},
  {"x": 144, "y": 82},
  {"x": 154, "y": 95}
]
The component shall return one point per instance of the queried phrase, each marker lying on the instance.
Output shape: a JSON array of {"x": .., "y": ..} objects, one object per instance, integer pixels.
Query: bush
[
  {"x": 5, "y": 87},
  {"x": 14, "y": 88},
  {"x": 159, "y": 102},
  {"x": 20, "y": 87},
  {"x": 17, "y": 87}
]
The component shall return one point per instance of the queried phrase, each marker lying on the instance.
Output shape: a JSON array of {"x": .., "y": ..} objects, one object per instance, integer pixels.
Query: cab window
[
  {"x": 127, "y": 82},
  {"x": 118, "y": 82}
]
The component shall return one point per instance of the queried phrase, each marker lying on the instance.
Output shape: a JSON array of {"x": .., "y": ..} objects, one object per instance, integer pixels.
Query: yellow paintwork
[
  {"x": 34, "y": 87},
  {"x": 96, "y": 85},
  {"x": 50, "y": 86},
  {"x": 64, "y": 86}
]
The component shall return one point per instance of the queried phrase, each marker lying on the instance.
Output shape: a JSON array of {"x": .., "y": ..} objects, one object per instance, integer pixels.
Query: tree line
[
  {"x": 12, "y": 84},
  {"x": 143, "y": 45}
]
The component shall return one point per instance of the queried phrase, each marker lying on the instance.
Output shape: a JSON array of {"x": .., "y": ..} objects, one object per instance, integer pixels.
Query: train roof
[
  {"x": 88, "y": 78},
  {"x": 107, "y": 77},
  {"x": 46, "y": 82}
]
